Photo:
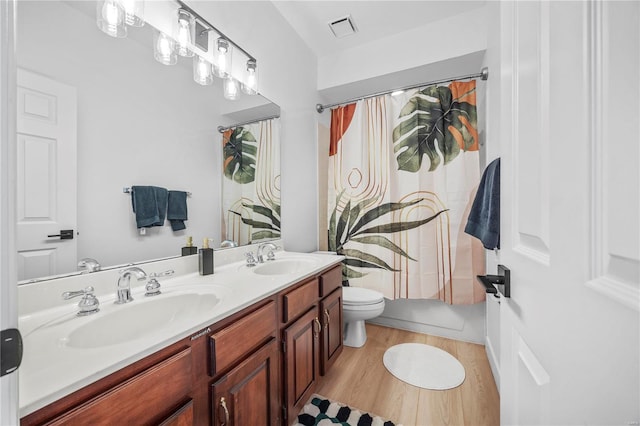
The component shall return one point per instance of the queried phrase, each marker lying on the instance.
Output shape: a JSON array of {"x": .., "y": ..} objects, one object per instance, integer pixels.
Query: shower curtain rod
[
  {"x": 483, "y": 75},
  {"x": 223, "y": 129}
]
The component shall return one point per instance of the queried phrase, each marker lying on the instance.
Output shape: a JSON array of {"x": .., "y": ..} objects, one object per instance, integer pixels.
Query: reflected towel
[
  {"x": 484, "y": 217},
  {"x": 149, "y": 205},
  {"x": 177, "y": 210}
]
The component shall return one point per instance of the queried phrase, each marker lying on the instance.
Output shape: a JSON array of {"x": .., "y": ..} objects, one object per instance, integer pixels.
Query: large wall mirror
[{"x": 98, "y": 114}]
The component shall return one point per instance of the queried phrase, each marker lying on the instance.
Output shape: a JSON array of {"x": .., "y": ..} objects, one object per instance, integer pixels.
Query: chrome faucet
[
  {"x": 270, "y": 256},
  {"x": 124, "y": 284}
]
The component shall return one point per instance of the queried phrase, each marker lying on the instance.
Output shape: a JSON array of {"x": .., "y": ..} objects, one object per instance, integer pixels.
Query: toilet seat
[{"x": 358, "y": 296}]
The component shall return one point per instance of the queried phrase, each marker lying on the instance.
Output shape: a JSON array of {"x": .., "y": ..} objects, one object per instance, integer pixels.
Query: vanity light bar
[{"x": 209, "y": 27}]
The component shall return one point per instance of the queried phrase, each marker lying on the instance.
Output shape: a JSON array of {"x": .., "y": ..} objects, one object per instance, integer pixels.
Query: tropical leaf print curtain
[
  {"x": 402, "y": 172},
  {"x": 251, "y": 183}
]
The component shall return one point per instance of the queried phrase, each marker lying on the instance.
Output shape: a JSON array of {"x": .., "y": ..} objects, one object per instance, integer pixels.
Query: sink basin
[
  {"x": 284, "y": 266},
  {"x": 139, "y": 319}
]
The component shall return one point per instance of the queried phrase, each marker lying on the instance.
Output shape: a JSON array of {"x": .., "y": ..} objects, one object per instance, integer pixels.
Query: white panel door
[
  {"x": 569, "y": 136},
  {"x": 46, "y": 151}
]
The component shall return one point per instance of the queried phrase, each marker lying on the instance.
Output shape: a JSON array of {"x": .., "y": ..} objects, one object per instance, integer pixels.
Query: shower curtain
[
  {"x": 402, "y": 175},
  {"x": 251, "y": 183}
]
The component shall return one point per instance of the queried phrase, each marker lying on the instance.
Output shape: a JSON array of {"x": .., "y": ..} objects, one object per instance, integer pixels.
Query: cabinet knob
[
  {"x": 223, "y": 405},
  {"x": 326, "y": 314}
]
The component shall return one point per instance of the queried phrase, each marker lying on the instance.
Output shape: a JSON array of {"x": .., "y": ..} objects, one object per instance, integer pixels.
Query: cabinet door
[
  {"x": 301, "y": 365},
  {"x": 331, "y": 310},
  {"x": 248, "y": 394}
]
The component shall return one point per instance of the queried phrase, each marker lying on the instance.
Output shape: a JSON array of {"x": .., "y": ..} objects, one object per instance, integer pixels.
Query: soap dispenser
[
  {"x": 189, "y": 248},
  {"x": 205, "y": 258}
]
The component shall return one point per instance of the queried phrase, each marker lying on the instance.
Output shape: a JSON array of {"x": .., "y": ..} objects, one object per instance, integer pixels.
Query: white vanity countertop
[{"x": 53, "y": 368}]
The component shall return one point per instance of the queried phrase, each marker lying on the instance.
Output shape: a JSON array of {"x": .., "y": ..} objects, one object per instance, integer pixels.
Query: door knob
[{"x": 65, "y": 234}]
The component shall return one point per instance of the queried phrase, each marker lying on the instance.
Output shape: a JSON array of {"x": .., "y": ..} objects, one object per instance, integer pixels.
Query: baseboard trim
[
  {"x": 421, "y": 328},
  {"x": 493, "y": 362}
]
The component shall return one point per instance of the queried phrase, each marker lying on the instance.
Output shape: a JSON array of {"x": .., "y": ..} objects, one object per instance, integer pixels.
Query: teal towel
[
  {"x": 149, "y": 205},
  {"x": 177, "y": 210},
  {"x": 484, "y": 217}
]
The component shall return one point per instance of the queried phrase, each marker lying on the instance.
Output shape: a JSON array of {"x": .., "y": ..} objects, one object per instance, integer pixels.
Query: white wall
[
  {"x": 287, "y": 70},
  {"x": 437, "y": 41},
  {"x": 139, "y": 123}
]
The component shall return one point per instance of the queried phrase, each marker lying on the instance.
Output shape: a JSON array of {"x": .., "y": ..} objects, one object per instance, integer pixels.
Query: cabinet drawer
[
  {"x": 330, "y": 280},
  {"x": 233, "y": 342},
  {"x": 299, "y": 300},
  {"x": 143, "y": 399}
]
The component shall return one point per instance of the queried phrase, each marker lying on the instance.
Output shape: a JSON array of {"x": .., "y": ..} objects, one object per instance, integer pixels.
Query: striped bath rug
[{"x": 321, "y": 411}]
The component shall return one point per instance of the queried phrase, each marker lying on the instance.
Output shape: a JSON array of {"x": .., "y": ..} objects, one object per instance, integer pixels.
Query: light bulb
[
  {"x": 133, "y": 12},
  {"x": 202, "y": 71},
  {"x": 222, "y": 57},
  {"x": 110, "y": 13},
  {"x": 250, "y": 85},
  {"x": 110, "y": 18},
  {"x": 222, "y": 63},
  {"x": 183, "y": 33},
  {"x": 164, "y": 50},
  {"x": 164, "y": 47},
  {"x": 230, "y": 88}
]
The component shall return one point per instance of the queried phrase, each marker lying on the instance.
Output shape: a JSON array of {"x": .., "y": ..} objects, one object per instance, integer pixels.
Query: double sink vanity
[{"x": 244, "y": 346}]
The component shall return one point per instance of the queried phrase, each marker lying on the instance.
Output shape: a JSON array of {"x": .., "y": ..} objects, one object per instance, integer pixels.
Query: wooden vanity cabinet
[{"x": 259, "y": 366}]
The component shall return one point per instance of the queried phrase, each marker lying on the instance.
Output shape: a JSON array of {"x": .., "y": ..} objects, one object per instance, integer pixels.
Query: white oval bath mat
[{"x": 424, "y": 366}]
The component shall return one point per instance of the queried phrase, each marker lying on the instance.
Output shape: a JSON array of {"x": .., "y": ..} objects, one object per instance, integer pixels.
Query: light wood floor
[{"x": 359, "y": 379}]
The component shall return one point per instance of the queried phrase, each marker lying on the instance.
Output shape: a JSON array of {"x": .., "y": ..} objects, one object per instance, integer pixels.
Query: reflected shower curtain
[
  {"x": 402, "y": 175},
  {"x": 251, "y": 183}
]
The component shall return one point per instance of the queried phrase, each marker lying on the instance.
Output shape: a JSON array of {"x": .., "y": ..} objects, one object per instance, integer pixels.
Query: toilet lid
[{"x": 360, "y": 296}]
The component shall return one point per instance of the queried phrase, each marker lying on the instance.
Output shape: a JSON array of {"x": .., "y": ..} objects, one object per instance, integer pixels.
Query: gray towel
[
  {"x": 177, "y": 210},
  {"x": 149, "y": 205},
  {"x": 484, "y": 217}
]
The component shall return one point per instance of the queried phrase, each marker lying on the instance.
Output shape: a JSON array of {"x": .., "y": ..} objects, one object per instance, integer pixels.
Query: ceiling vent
[{"x": 343, "y": 27}]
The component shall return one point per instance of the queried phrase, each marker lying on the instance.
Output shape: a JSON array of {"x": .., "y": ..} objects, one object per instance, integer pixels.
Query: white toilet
[{"x": 358, "y": 305}]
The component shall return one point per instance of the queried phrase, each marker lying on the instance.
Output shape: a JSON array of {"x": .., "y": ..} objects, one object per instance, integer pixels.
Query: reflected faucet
[
  {"x": 89, "y": 265},
  {"x": 124, "y": 283},
  {"x": 260, "y": 250}
]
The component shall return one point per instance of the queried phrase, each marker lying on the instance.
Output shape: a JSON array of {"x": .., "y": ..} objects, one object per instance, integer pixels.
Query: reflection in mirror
[
  {"x": 251, "y": 184},
  {"x": 97, "y": 114}
]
